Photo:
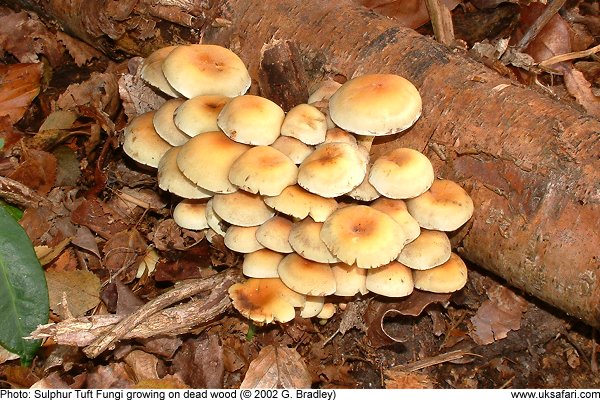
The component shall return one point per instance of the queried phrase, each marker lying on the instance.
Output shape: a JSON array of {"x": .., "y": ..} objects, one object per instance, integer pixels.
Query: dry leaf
[
  {"x": 97, "y": 217},
  {"x": 46, "y": 253},
  {"x": 199, "y": 362},
  {"x": 19, "y": 85},
  {"x": 6, "y": 355},
  {"x": 37, "y": 170},
  {"x": 144, "y": 365},
  {"x": 99, "y": 92},
  {"x": 80, "y": 51},
  {"x": 111, "y": 376},
  {"x": 80, "y": 288},
  {"x": 396, "y": 379},
  {"x": 123, "y": 253},
  {"x": 277, "y": 367},
  {"x": 497, "y": 316},
  {"x": 52, "y": 381},
  {"x": 581, "y": 89},
  {"x": 408, "y": 13},
  {"x": 85, "y": 239},
  {"x": 136, "y": 95}
]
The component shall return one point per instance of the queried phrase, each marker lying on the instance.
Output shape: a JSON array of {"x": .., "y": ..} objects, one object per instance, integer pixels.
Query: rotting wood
[{"x": 530, "y": 163}]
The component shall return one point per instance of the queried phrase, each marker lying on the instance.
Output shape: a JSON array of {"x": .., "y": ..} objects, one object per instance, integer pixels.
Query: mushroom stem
[{"x": 365, "y": 141}]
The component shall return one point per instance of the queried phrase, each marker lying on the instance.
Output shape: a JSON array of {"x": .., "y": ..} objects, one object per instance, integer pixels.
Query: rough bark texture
[{"x": 531, "y": 164}]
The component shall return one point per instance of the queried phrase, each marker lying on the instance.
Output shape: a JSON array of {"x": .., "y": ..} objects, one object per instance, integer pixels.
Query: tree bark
[{"x": 530, "y": 163}]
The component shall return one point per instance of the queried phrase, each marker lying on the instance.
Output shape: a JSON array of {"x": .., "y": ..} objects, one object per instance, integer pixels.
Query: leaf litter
[{"x": 121, "y": 234}]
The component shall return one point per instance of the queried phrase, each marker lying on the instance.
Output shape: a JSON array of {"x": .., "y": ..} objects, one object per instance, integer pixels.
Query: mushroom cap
[
  {"x": 391, "y": 280},
  {"x": 305, "y": 123},
  {"x": 445, "y": 206},
  {"x": 251, "y": 120},
  {"x": 293, "y": 148},
  {"x": 305, "y": 276},
  {"x": 305, "y": 239},
  {"x": 402, "y": 173},
  {"x": 199, "y": 114},
  {"x": 327, "y": 311},
  {"x": 264, "y": 300},
  {"x": 242, "y": 239},
  {"x": 242, "y": 208},
  {"x": 212, "y": 236},
  {"x": 204, "y": 69},
  {"x": 312, "y": 307},
  {"x": 362, "y": 235},
  {"x": 396, "y": 209},
  {"x": 323, "y": 91},
  {"x": 445, "y": 278},
  {"x": 349, "y": 279},
  {"x": 375, "y": 105},
  {"x": 190, "y": 214},
  {"x": 264, "y": 170},
  {"x": 206, "y": 160},
  {"x": 365, "y": 191},
  {"x": 152, "y": 72},
  {"x": 274, "y": 234},
  {"x": 142, "y": 143},
  {"x": 336, "y": 134},
  {"x": 171, "y": 179},
  {"x": 165, "y": 124},
  {"x": 299, "y": 203},
  {"x": 333, "y": 169},
  {"x": 262, "y": 263},
  {"x": 215, "y": 222},
  {"x": 428, "y": 250}
]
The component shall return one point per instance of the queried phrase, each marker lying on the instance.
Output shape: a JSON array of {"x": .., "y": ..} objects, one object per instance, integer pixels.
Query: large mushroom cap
[
  {"x": 402, "y": 173},
  {"x": 142, "y": 143},
  {"x": 375, "y": 104},
  {"x": 299, "y": 203},
  {"x": 204, "y": 69},
  {"x": 206, "y": 160},
  {"x": 264, "y": 300},
  {"x": 428, "y": 250},
  {"x": 264, "y": 170},
  {"x": 305, "y": 276},
  {"x": 171, "y": 179},
  {"x": 391, "y": 280},
  {"x": 445, "y": 278},
  {"x": 333, "y": 169},
  {"x": 164, "y": 123},
  {"x": 305, "y": 239},
  {"x": 199, "y": 114},
  {"x": 362, "y": 235},
  {"x": 445, "y": 206},
  {"x": 153, "y": 74},
  {"x": 251, "y": 120},
  {"x": 242, "y": 208}
]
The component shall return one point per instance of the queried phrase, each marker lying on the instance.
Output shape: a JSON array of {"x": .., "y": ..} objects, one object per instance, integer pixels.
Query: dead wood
[{"x": 530, "y": 163}]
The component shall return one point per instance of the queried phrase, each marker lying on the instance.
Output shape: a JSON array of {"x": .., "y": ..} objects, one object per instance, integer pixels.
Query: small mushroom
[
  {"x": 152, "y": 73},
  {"x": 171, "y": 179},
  {"x": 323, "y": 91},
  {"x": 445, "y": 278},
  {"x": 262, "y": 263},
  {"x": 327, "y": 312},
  {"x": 299, "y": 203},
  {"x": 312, "y": 307},
  {"x": 142, "y": 143},
  {"x": 305, "y": 239},
  {"x": 428, "y": 250},
  {"x": 306, "y": 277},
  {"x": 242, "y": 239},
  {"x": 396, "y": 209},
  {"x": 305, "y": 123},
  {"x": 293, "y": 148},
  {"x": 191, "y": 214},
  {"x": 165, "y": 124},
  {"x": 215, "y": 222},
  {"x": 242, "y": 208},
  {"x": 199, "y": 114},
  {"x": 274, "y": 234},
  {"x": 204, "y": 69},
  {"x": 349, "y": 279},
  {"x": 390, "y": 280}
]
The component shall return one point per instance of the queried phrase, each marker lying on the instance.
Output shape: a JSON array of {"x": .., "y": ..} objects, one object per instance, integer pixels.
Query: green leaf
[
  {"x": 23, "y": 290},
  {"x": 12, "y": 210}
]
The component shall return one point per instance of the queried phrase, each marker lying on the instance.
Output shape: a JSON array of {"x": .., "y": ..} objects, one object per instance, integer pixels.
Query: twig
[
  {"x": 569, "y": 56},
  {"x": 539, "y": 24},
  {"x": 435, "y": 360},
  {"x": 16, "y": 193},
  {"x": 179, "y": 293},
  {"x": 441, "y": 20},
  {"x": 594, "y": 356}
]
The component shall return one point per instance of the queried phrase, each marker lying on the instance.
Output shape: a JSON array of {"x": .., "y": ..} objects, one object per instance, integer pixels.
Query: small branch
[
  {"x": 430, "y": 361},
  {"x": 179, "y": 293},
  {"x": 569, "y": 56},
  {"x": 441, "y": 20},
  {"x": 539, "y": 24},
  {"x": 16, "y": 193}
]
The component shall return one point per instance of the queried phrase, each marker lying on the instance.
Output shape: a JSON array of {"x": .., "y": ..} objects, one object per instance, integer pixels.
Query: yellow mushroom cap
[
  {"x": 199, "y": 114},
  {"x": 299, "y": 203},
  {"x": 428, "y": 250},
  {"x": 305, "y": 123},
  {"x": 152, "y": 73},
  {"x": 293, "y": 148},
  {"x": 204, "y": 69},
  {"x": 171, "y": 179},
  {"x": 445, "y": 206},
  {"x": 305, "y": 276},
  {"x": 264, "y": 300},
  {"x": 397, "y": 209},
  {"x": 349, "y": 279},
  {"x": 323, "y": 91},
  {"x": 305, "y": 239},
  {"x": 274, "y": 234},
  {"x": 327, "y": 311},
  {"x": 402, "y": 173},
  {"x": 242, "y": 239},
  {"x": 312, "y": 307},
  {"x": 190, "y": 214},
  {"x": 333, "y": 169},
  {"x": 164, "y": 123},
  {"x": 362, "y": 235},
  {"x": 375, "y": 104},
  {"x": 215, "y": 222},
  {"x": 242, "y": 208},
  {"x": 391, "y": 280},
  {"x": 206, "y": 160},
  {"x": 445, "y": 278},
  {"x": 142, "y": 143},
  {"x": 264, "y": 170},
  {"x": 262, "y": 263},
  {"x": 251, "y": 120}
]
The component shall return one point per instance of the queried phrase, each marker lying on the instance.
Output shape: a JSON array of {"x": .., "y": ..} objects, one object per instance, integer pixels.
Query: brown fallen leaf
[
  {"x": 81, "y": 289},
  {"x": 97, "y": 217},
  {"x": 497, "y": 316},
  {"x": 86, "y": 240},
  {"x": 581, "y": 89},
  {"x": 120, "y": 299},
  {"x": 408, "y": 13},
  {"x": 199, "y": 362},
  {"x": 136, "y": 95},
  {"x": 37, "y": 170},
  {"x": 123, "y": 253},
  {"x": 111, "y": 376},
  {"x": 277, "y": 367},
  {"x": 396, "y": 379},
  {"x": 80, "y": 51},
  {"x": 145, "y": 366},
  {"x": 99, "y": 92},
  {"x": 19, "y": 85}
]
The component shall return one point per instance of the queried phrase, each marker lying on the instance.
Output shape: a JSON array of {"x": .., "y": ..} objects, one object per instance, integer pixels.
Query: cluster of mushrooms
[{"x": 296, "y": 192}]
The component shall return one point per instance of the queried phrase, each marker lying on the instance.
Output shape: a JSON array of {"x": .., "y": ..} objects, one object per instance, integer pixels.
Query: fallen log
[{"x": 530, "y": 163}]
